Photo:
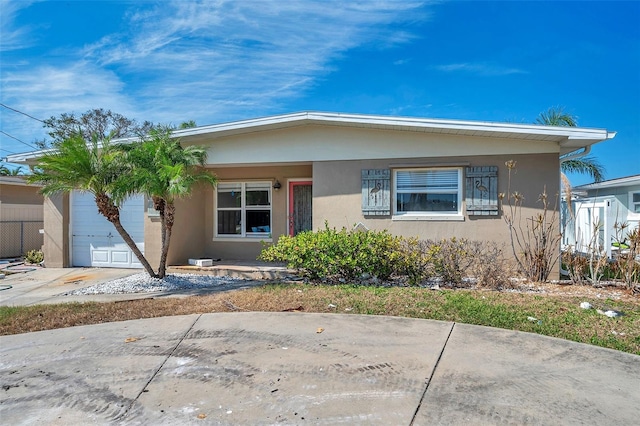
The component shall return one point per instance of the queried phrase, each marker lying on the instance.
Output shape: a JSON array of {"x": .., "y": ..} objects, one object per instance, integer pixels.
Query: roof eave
[{"x": 568, "y": 138}]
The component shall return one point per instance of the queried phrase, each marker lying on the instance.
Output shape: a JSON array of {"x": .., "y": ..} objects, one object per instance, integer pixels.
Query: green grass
[{"x": 557, "y": 316}]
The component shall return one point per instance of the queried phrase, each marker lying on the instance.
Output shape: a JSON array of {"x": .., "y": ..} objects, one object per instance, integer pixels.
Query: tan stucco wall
[
  {"x": 250, "y": 249},
  {"x": 56, "y": 231},
  {"x": 20, "y": 194},
  {"x": 188, "y": 235},
  {"x": 328, "y": 143},
  {"x": 193, "y": 232},
  {"x": 337, "y": 196},
  {"x": 337, "y": 199}
]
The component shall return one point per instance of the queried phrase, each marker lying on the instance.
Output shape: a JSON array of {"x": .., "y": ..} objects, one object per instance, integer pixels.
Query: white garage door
[{"x": 95, "y": 241}]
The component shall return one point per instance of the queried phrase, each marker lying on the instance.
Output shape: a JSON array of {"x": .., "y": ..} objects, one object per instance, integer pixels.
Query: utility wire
[
  {"x": 13, "y": 137},
  {"x": 20, "y": 112},
  {"x": 5, "y": 150}
]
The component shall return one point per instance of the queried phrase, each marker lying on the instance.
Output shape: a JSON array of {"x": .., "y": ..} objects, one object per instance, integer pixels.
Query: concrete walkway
[{"x": 295, "y": 368}]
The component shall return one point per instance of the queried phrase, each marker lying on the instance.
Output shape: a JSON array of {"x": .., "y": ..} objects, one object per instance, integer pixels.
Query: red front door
[{"x": 300, "y": 206}]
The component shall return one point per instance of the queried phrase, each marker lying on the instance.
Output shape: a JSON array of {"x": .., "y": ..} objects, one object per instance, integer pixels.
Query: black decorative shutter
[
  {"x": 481, "y": 190},
  {"x": 376, "y": 196}
]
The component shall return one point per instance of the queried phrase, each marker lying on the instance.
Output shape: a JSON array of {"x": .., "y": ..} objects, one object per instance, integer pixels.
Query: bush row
[{"x": 342, "y": 255}]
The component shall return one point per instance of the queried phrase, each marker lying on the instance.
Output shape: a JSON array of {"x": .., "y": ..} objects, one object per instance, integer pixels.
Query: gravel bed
[{"x": 143, "y": 283}]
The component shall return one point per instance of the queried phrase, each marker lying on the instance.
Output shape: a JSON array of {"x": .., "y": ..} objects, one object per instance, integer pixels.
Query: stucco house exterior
[
  {"x": 279, "y": 175},
  {"x": 21, "y": 215},
  {"x": 596, "y": 209}
]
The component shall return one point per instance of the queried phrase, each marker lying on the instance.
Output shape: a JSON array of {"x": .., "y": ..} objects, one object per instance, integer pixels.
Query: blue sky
[{"x": 173, "y": 61}]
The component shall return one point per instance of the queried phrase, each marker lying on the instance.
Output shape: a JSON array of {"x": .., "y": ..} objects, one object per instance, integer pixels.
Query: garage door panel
[
  {"x": 120, "y": 258},
  {"x": 95, "y": 241},
  {"x": 99, "y": 256}
]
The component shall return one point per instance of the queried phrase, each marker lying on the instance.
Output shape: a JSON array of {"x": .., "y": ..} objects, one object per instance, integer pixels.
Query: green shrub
[
  {"x": 416, "y": 260},
  {"x": 351, "y": 255},
  {"x": 335, "y": 255},
  {"x": 34, "y": 257}
]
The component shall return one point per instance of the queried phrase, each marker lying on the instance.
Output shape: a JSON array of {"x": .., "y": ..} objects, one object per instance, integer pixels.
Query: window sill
[
  {"x": 429, "y": 217},
  {"x": 243, "y": 239}
]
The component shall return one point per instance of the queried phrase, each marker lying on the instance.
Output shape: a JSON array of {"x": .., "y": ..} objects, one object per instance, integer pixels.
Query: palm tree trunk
[
  {"x": 134, "y": 248},
  {"x": 168, "y": 219}
]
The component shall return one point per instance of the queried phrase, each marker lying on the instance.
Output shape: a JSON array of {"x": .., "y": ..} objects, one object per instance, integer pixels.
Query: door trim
[{"x": 290, "y": 184}]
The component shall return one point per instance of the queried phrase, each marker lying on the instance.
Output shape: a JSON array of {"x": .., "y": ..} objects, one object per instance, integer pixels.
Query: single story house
[
  {"x": 21, "y": 216},
  {"x": 597, "y": 209},
  {"x": 280, "y": 175}
]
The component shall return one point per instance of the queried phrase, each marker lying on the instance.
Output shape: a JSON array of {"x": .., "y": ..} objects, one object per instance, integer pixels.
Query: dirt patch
[{"x": 609, "y": 290}]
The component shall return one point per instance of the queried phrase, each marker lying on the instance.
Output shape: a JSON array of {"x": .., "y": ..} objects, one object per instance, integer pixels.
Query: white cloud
[
  {"x": 12, "y": 38},
  {"x": 201, "y": 60},
  {"x": 480, "y": 68},
  {"x": 48, "y": 91},
  {"x": 210, "y": 56}
]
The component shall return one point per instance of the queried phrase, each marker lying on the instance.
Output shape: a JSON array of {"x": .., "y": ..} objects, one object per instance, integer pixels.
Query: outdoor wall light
[{"x": 277, "y": 185}]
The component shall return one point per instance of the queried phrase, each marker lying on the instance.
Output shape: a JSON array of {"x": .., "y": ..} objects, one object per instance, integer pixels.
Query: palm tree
[
  {"x": 164, "y": 171},
  {"x": 556, "y": 116},
  {"x": 93, "y": 167},
  {"x": 5, "y": 171}
]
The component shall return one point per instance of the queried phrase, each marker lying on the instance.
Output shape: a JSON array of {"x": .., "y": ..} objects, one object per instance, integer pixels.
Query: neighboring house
[
  {"x": 280, "y": 175},
  {"x": 21, "y": 216},
  {"x": 597, "y": 210}
]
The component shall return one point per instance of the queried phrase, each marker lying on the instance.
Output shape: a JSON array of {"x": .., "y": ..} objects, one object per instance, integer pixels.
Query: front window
[
  {"x": 428, "y": 192},
  {"x": 243, "y": 209}
]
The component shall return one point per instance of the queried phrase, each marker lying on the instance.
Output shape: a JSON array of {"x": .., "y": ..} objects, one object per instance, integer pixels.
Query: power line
[
  {"x": 20, "y": 112},
  {"x": 13, "y": 137},
  {"x": 6, "y": 150}
]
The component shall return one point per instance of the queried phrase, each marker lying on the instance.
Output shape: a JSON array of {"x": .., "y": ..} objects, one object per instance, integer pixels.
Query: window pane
[
  {"x": 258, "y": 185},
  {"x": 636, "y": 197},
  {"x": 257, "y": 197},
  {"x": 229, "y": 195},
  {"x": 229, "y": 222},
  {"x": 422, "y": 202},
  {"x": 258, "y": 221},
  {"x": 426, "y": 180}
]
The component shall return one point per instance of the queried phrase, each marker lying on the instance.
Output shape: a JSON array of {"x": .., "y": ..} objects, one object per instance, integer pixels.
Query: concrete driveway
[
  {"x": 296, "y": 368},
  {"x": 49, "y": 285}
]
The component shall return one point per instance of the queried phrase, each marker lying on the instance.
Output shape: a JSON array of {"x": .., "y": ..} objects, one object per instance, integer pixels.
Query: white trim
[
  {"x": 443, "y": 218},
  {"x": 72, "y": 194},
  {"x": 568, "y": 138},
  {"x": 632, "y": 215},
  {"x": 288, "y": 195},
  {"x": 623, "y": 181},
  {"x": 401, "y": 123},
  {"x": 243, "y": 236},
  {"x": 428, "y": 215},
  {"x": 239, "y": 239}
]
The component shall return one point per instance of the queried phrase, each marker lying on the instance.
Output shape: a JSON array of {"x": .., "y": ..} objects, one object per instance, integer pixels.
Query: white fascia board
[
  {"x": 619, "y": 182},
  {"x": 26, "y": 156},
  {"x": 569, "y": 138},
  {"x": 563, "y": 135}
]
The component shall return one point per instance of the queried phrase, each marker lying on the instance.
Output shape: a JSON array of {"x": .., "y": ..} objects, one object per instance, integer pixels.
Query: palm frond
[
  {"x": 556, "y": 116},
  {"x": 586, "y": 165}
]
